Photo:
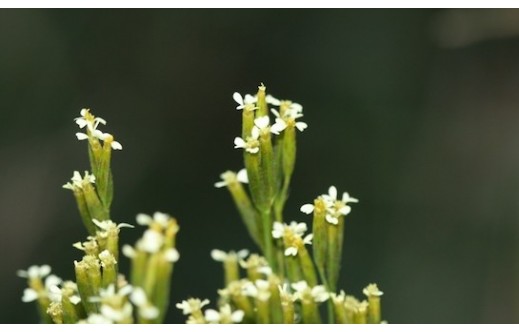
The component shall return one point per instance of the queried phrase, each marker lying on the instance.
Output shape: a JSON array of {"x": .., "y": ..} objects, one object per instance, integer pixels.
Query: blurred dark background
[{"x": 414, "y": 112}]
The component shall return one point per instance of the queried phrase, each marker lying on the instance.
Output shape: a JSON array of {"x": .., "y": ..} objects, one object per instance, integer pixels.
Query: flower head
[
  {"x": 251, "y": 143},
  {"x": 78, "y": 182},
  {"x": 224, "y": 316},
  {"x": 242, "y": 102},
  {"x": 191, "y": 305},
  {"x": 230, "y": 177},
  {"x": 304, "y": 292},
  {"x": 292, "y": 235},
  {"x": 222, "y": 256}
]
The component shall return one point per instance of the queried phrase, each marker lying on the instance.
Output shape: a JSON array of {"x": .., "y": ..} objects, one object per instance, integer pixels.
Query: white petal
[
  {"x": 110, "y": 313},
  {"x": 237, "y": 316},
  {"x": 278, "y": 127},
  {"x": 345, "y": 210},
  {"x": 291, "y": 251},
  {"x": 249, "y": 99},
  {"x": 308, "y": 239},
  {"x": 101, "y": 120},
  {"x": 171, "y": 255},
  {"x": 125, "y": 225},
  {"x": 255, "y": 133},
  {"x": 301, "y": 126},
  {"x": 74, "y": 299},
  {"x": 239, "y": 143},
  {"x": 161, "y": 218},
  {"x": 220, "y": 184},
  {"x": 252, "y": 150},
  {"x": 149, "y": 312},
  {"x": 81, "y": 136},
  {"x": 139, "y": 297},
  {"x": 276, "y": 113},
  {"x": 242, "y": 253},
  {"x": 116, "y": 145},
  {"x": 212, "y": 316},
  {"x": 300, "y": 286},
  {"x": 242, "y": 176},
  {"x": 346, "y": 198},
  {"x": 29, "y": 295},
  {"x": 143, "y": 219},
  {"x": 272, "y": 101},
  {"x": 151, "y": 241},
  {"x": 218, "y": 255},
  {"x": 83, "y": 112},
  {"x": 238, "y": 99},
  {"x": 307, "y": 208},
  {"x": 331, "y": 219},
  {"x": 332, "y": 192},
  {"x": 262, "y": 122},
  {"x": 128, "y": 251}
]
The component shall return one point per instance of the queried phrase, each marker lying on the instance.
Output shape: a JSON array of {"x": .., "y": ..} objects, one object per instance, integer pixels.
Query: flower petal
[
  {"x": 307, "y": 208},
  {"x": 242, "y": 176},
  {"x": 81, "y": 136}
]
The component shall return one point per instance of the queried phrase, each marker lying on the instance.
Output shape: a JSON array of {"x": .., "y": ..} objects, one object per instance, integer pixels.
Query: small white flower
[
  {"x": 117, "y": 314},
  {"x": 372, "y": 290},
  {"x": 251, "y": 144},
  {"x": 144, "y": 219},
  {"x": 260, "y": 289},
  {"x": 304, "y": 292},
  {"x": 222, "y": 256},
  {"x": 224, "y": 316},
  {"x": 77, "y": 182},
  {"x": 160, "y": 218},
  {"x": 242, "y": 102},
  {"x": 229, "y": 177},
  {"x": 151, "y": 241},
  {"x": 35, "y": 272},
  {"x": 262, "y": 122},
  {"x": 140, "y": 300},
  {"x": 191, "y": 305},
  {"x": 290, "y": 116},
  {"x": 87, "y": 119}
]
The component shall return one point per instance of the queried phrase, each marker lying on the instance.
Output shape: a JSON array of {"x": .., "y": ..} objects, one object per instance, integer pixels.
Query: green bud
[{"x": 262, "y": 102}]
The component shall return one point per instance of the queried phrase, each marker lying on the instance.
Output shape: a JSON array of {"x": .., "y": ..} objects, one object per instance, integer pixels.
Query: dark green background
[{"x": 425, "y": 136}]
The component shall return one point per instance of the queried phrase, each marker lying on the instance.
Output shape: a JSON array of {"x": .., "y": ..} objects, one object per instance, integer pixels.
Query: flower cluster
[{"x": 335, "y": 208}]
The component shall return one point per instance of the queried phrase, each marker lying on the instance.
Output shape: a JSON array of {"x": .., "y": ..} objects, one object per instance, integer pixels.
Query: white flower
[
  {"x": 372, "y": 290},
  {"x": 160, "y": 218},
  {"x": 336, "y": 207},
  {"x": 77, "y": 182},
  {"x": 248, "y": 100},
  {"x": 151, "y": 241},
  {"x": 262, "y": 122},
  {"x": 191, "y": 305},
  {"x": 87, "y": 119},
  {"x": 260, "y": 289},
  {"x": 222, "y": 256},
  {"x": 251, "y": 144},
  {"x": 231, "y": 177},
  {"x": 224, "y": 316},
  {"x": 289, "y": 117},
  {"x": 279, "y": 229},
  {"x": 35, "y": 272},
  {"x": 304, "y": 292}
]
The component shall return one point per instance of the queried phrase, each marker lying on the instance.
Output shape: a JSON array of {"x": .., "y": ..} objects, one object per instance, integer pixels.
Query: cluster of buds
[
  {"x": 269, "y": 157},
  {"x": 94, "y": 191},
  {"x": 101, "y": 294},
  {"x": 153, "y": 258},
  {"x": 257, "y": 295}
]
